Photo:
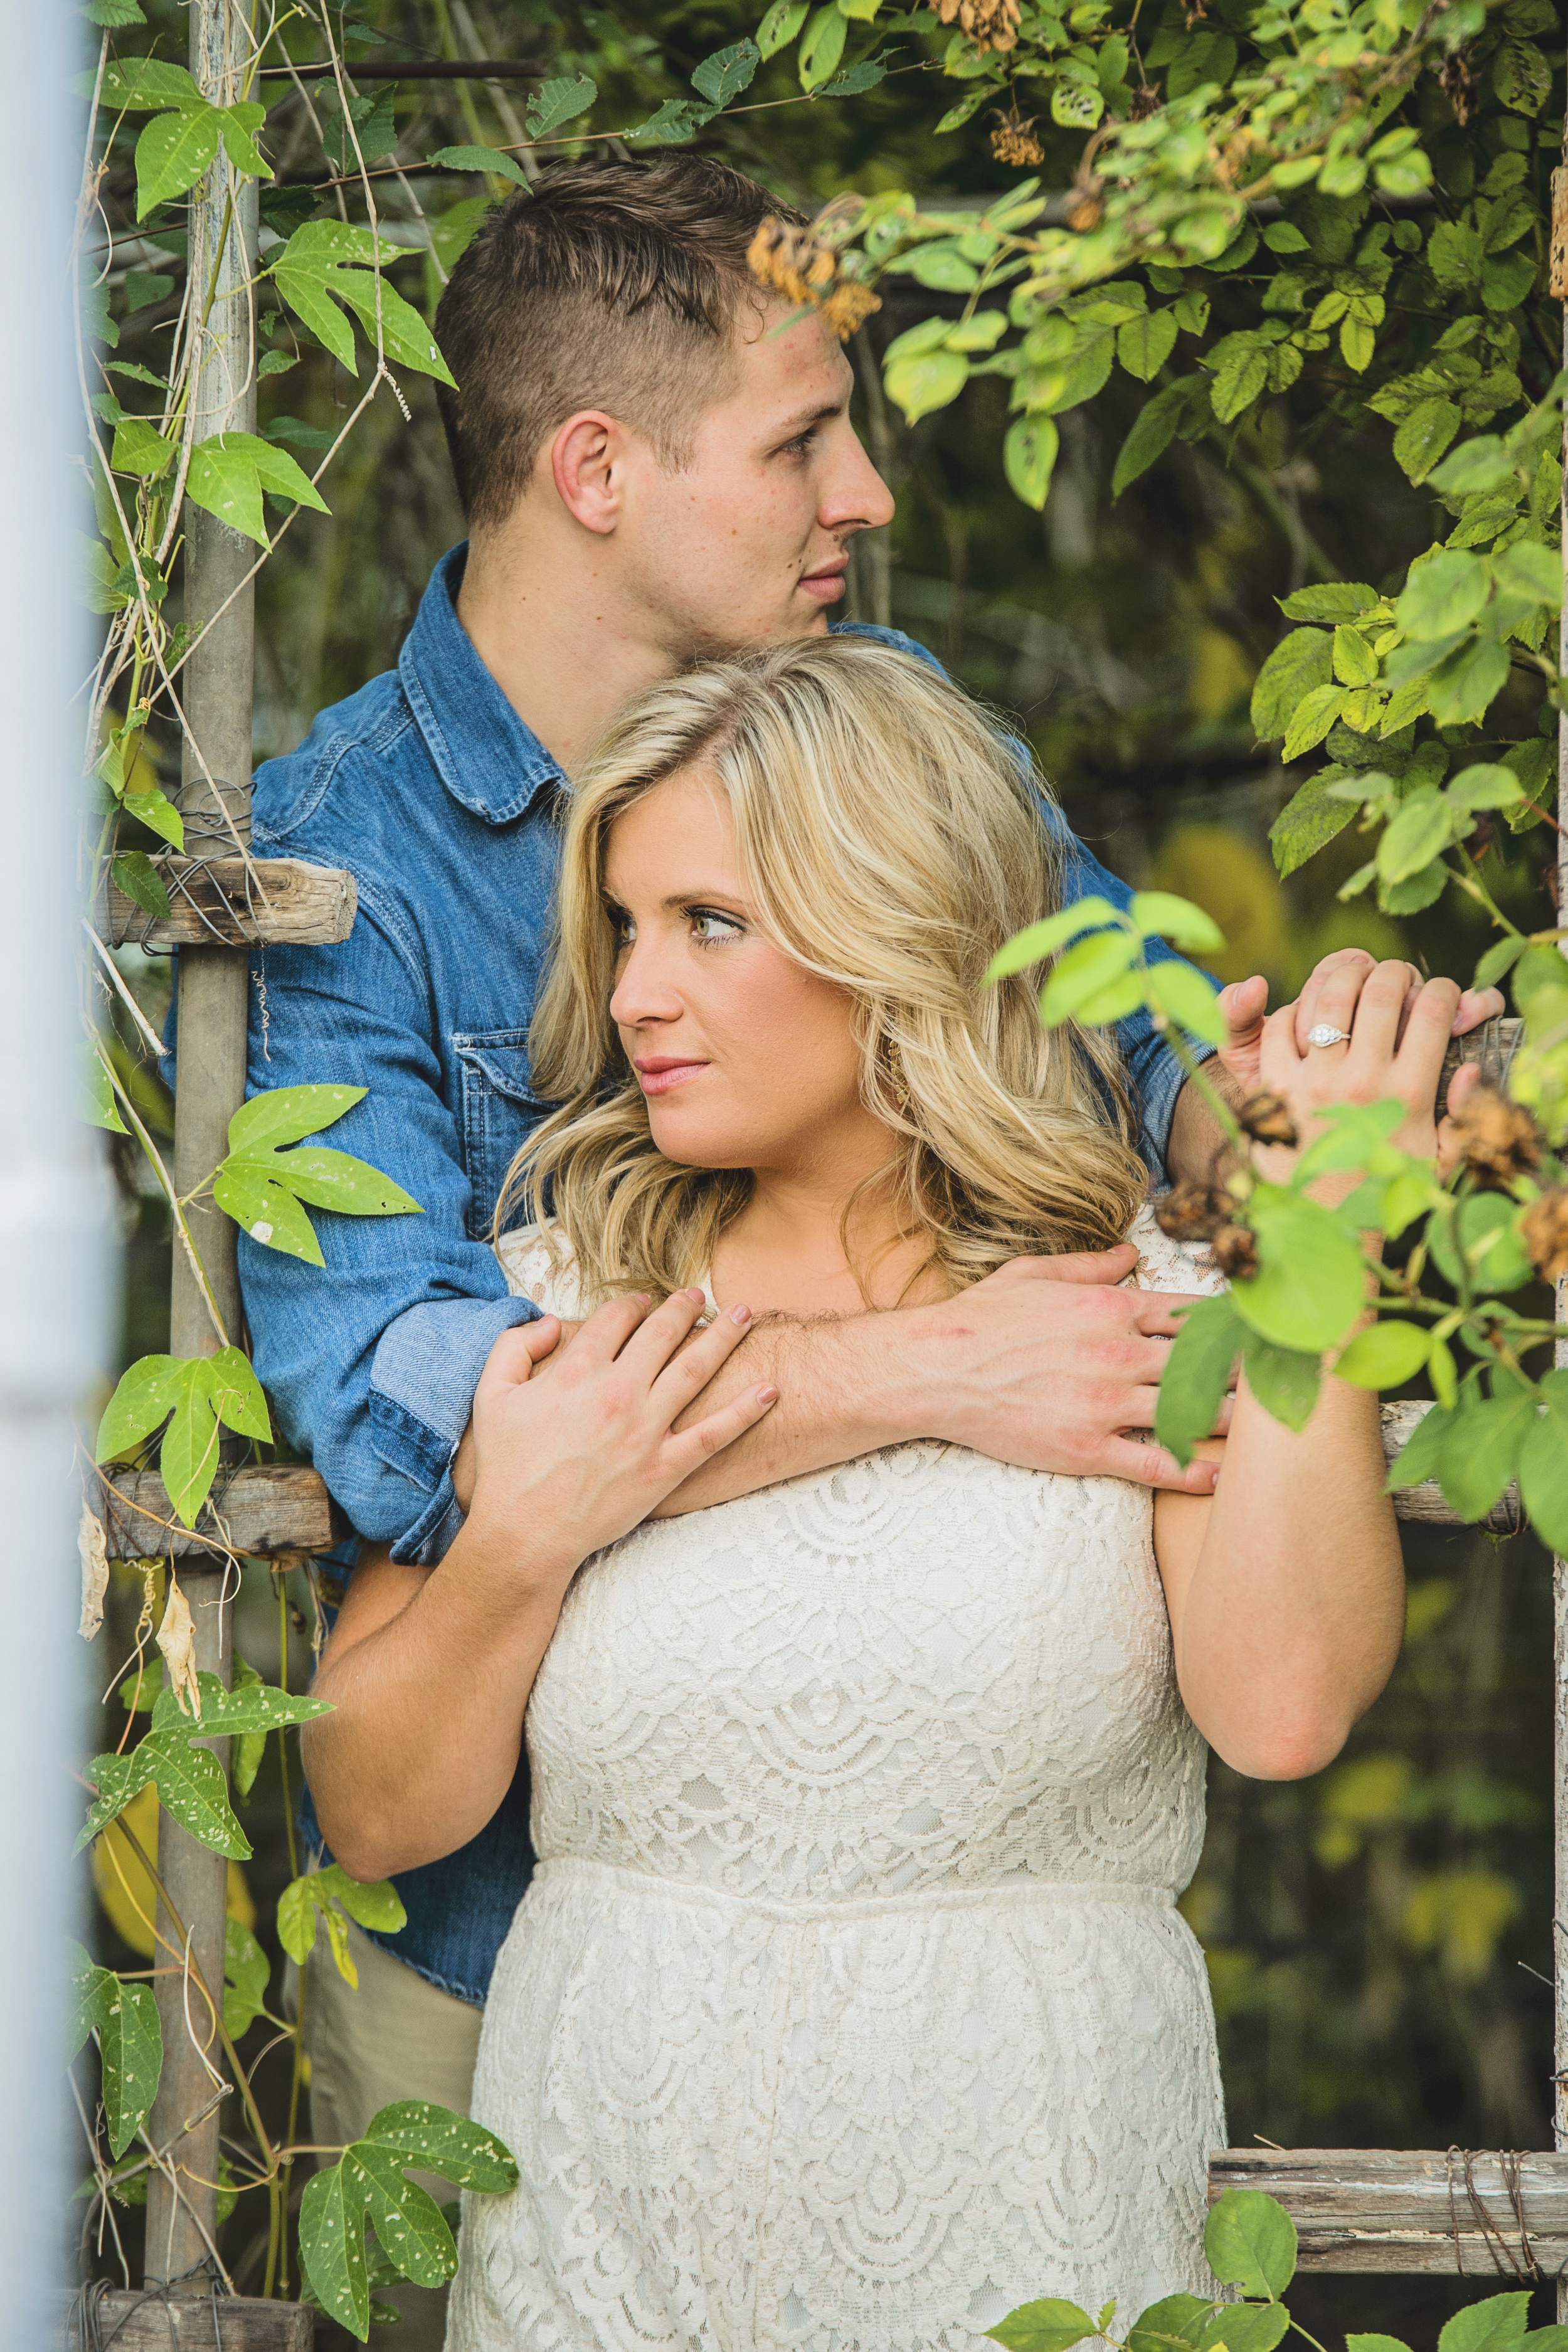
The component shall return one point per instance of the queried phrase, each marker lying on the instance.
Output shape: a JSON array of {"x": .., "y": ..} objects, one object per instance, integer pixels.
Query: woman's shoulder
[
  {"x": 538, "y": 1264},
  {"x": 1166, "y": 1265}
]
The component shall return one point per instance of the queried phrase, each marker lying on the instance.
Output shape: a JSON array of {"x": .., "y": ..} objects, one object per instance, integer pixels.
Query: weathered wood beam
[
  {"x": 220, "y": 903},
  {"x": 261, "y": 1511},
  {"x": 1427, "y": 1502},
  {"x": 184, "y": 2324},
  {"x": 1485, "y": 2216}
]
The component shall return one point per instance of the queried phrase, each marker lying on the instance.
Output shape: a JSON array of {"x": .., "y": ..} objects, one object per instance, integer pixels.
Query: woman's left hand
[{"x": 1396, "y": 1031}]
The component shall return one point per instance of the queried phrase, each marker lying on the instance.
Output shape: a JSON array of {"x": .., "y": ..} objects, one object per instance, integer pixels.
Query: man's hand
[{"x": 1245, "y": 1003}]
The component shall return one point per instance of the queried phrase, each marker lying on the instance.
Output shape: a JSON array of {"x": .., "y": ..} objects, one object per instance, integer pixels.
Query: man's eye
[{"x": 800, "y": 445}]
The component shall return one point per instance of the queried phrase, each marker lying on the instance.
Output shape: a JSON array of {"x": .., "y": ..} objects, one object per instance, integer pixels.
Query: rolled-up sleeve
[{"x": 374, "y": 1364}]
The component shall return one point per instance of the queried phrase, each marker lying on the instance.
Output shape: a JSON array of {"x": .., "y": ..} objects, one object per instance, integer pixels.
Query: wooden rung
[
  {"x": 184, "y": 2324},
  {"x": 219, "y": 904},
  {"x": 261, "y": 1511},
  {"x": 1403, "y": 2210},
  {"x": 1492, "y": 1045}
]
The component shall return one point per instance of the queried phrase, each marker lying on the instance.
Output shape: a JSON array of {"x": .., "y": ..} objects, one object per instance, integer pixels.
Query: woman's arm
[
  {"x": 1286, "y": 1590},
  {"x": 430, "y": 1671}
]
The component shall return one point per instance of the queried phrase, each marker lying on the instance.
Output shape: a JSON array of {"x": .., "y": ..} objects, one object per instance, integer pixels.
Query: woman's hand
[
  {"x": 1397, "y": 1030},
  {"x": 566, "y": 1465}
]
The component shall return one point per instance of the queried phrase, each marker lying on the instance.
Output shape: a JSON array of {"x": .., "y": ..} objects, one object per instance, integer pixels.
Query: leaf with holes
[
  {"x": 727, "y": 72},
  {"x": 407, "y": 2219},
  {"x": 173, "y": 152},
  {"x": 331, "y": 2247},
  {"x": 439, "y": 2141}
]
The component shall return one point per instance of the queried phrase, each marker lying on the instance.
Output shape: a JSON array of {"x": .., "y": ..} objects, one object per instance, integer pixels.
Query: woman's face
[{"x": 747, "y": 1059}]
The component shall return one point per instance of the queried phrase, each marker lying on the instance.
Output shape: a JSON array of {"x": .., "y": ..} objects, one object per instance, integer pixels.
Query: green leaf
[
  {"x": 1354, "y": 662},
  {"x": 266, "y": 1210},
  {"x": 443, "y": 2143},
  {"x": 191, "y": 1786},
  {"x": 288, "y": 1114},
  {"x": 239, "y": 125},
  {"x": 1175, "y": 2319},
  {"x": 1374, "y": 2344},
  {"x": 676, "y": 121},
  {"x": 1049, "y": 2325},
  {"x": 139, "y": 85},
  {"x": 1384, "y": 1356},
  {"x": 1153, "y": 428},
  {"x": 559, "y": 100},
  {"x": 331, "y": 2246},
  {"x": 780, "y": 25},
  {"x": 252, "y": 1705},
  {"x": 245, "y": 1757},
  {"x": 407, "y": 2219},
  {"x": 1307, "y": 822},
  {"x": 1351, "y": 1134},
  {"x": 1299, "y": 665},
  {"x": 100, "y": 1110},
  {"x": 131, "y": 2049},
  {"x": 305, "y": 290},
  {"x": 369, "y": 1903},
  {"x": 1042, "y": 939},
  {"x": 1197, "y": 1375},
  {"x": 245, "y": 1972},
  {"x": 140, "y": 448},
  {"x": 1312, "y": 1282},
  {"x": 83, "y": 1974},
  {"x": 481, "y": 159},
  {"x": 929, "y": 381},
  {"x": 134, "y": 874},
  {"x": 1543, "y": 1465},
  {"x": 228, "y": 473},
  {"x": 1250, "y": 2241},
  {"x": 1160, "y": 913},
  {"x": 1498, "y": 962},
  {"x": 116, "y": 1778},
  {"x": 1521, "y": 77},
  {"x": 1332, "y": 599},
  {"x": 157, "y": 813},
  {"x": 1421, "y": 830},
  {"x": 1443, "y": 594},
  {"x": 1285, "y": 1380},
  {"x": 727, "y": 72},
  {"x": 113, "y": 13},
  {"x": 1145, "y": 344},
  {"x": 1487, "y": 1438},
  {"x": 1246, "y": 2326},
  {"x": 1485, "y": 1227},
  {"x": 143, "y": 1401},
  {"x": 1314, "y": 716},
  {"x": 1461, "y": 687},
  {"x": 296, "y": 1919},
  {"x": 1421, "y": 1456},
  {"x": 187, "y": 1459},
  {"x": 1486, "y": 2326},
  {"x": 822, "y": 46},
  {"x": 1029, "y": 456},
  {"x": 1476, "y": 465},
  {"x": 1424, "y": 436},
  {"x": 1186, "y": 997},
  {"x": 1083, "y": 972},
  {"x": 173, "y": 152}
]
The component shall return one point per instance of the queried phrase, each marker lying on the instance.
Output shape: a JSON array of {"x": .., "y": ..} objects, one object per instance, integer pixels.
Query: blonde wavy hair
[{"x": 890, "y": 843}]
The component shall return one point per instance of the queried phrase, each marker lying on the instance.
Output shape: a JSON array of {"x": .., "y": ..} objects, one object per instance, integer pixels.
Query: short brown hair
[{"x": 606, "y": 284}]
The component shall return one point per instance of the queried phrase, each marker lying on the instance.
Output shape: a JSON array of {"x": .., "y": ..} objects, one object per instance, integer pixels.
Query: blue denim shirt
[{"x": 443, "y": 805}]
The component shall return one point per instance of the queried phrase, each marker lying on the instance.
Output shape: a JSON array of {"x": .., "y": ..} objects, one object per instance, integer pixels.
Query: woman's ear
[{"x": 587, "y": 459}]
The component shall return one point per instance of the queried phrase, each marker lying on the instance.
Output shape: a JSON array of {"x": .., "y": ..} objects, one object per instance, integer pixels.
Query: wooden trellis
[{"x": 1497, "y": 2217}]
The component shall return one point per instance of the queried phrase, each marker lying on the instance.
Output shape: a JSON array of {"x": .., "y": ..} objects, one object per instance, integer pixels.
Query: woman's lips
[
  {"x": 827, "y": 584},
  {"x": 657, "y": 1076}
]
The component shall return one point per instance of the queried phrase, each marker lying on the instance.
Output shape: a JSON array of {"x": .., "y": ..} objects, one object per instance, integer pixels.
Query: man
[{"x": 657, "y": 465}]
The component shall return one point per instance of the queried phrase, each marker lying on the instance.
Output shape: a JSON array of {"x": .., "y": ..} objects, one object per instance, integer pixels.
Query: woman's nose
[{"x": 642, "y": 992}]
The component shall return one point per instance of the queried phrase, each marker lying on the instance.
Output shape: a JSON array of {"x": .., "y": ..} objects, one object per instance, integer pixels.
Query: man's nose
[{"x": 857, "y": 499}]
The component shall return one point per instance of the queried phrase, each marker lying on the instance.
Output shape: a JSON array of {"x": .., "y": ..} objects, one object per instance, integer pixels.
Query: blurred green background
[{"x": 1378, "y": 1937}]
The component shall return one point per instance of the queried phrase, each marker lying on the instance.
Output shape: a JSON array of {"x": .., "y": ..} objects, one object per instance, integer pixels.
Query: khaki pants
[{"x": 397, "y": 2038}]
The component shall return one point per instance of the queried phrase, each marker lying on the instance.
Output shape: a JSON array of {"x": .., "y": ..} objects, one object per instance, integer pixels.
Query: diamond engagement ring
[{"x": 1325, "y": 1033}]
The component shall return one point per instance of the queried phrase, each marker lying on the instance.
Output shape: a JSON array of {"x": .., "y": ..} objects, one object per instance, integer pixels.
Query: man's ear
[{"x": 587, "y": 460}]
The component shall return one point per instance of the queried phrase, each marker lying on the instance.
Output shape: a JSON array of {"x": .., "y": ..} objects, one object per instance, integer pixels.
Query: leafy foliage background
[{"x": 1370, "y": 1933}]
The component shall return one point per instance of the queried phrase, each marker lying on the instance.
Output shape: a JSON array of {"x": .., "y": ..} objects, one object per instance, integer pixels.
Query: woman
[{"x": 848, "y": 2006}]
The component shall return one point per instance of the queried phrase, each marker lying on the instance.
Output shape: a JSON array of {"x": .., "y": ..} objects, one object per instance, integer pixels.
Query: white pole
[{"x": 54, "y": 1265}]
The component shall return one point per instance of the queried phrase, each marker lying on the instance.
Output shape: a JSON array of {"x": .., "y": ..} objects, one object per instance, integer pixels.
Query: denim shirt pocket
[{"x": 499, "y": 1112}]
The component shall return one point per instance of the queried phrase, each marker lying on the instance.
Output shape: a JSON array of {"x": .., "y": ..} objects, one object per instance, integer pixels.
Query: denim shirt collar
[{"x": 488, "y": 760}]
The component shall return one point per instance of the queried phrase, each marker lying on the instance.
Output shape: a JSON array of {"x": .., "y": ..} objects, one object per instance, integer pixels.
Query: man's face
[{"x": 748, "y": 544}]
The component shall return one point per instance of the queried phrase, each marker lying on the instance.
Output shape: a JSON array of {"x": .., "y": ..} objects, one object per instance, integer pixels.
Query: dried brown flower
[
  {"x": 1267, "y": 1119},
  {"x": 1235, "y": 1253},
  {"x": 1014, "y": 141},
  {"x": 1456, "y": 80},
  {"x": 1194, "y": 11},
  {"x": 1545, "y": 1229},
  {"x": 990, "y": 24},
  {"x": 848, "y": 307},
  {"x": 1086, "y": 205},
  {"x": 1497, "y": 1137},
  {"x": 1192, "y": 1213},
  {"x": 798, "y": 265},
  {"x": 1146, "y": 100}
]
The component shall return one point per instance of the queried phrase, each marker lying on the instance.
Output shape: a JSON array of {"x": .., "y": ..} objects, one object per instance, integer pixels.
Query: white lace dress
[{"x": 849, "y": 2006}]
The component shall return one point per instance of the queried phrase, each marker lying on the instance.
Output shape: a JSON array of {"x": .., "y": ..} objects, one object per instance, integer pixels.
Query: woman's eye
[
  {"x": 625, "y": 932},
  {"x": 710, "y": 929}
]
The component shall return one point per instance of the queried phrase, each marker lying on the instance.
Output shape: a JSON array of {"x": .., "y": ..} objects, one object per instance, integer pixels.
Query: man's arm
[{"x": 373, "y": 1362}]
